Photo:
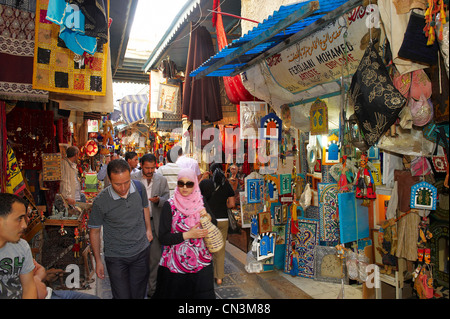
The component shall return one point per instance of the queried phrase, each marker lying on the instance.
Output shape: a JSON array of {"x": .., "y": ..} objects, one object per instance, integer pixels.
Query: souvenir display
[
  {"x": 272, "y": 126},
  {"x": 376, "y": 101},
  {"x": 57, "y": 68},
  {"x": 328, "y": 212},
  {"x": 318, "y": 116},
  {"x": 334, "y": 152},
  {"x": 423, "y": 196},
  {"x": 299, "y": 258},
  {"x": 364, "y": 182}
]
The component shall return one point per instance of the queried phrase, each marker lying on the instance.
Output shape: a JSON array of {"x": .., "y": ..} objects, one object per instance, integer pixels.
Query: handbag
[
  {"x": 440, "y": 163},
  {"x": 233, "y": 227},
  {"x": 214, "y": 239},
  {"x": 376, "y": 101},
  {"x": 414, "y": 46},
  {"x": 420, "y": 166}
]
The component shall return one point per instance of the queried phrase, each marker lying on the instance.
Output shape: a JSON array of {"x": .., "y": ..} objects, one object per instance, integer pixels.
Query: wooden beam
[{"x": 294, "y": 17}]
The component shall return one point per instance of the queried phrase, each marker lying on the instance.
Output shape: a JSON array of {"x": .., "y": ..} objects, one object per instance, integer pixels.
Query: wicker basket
[{"x": 213, "y": 240}]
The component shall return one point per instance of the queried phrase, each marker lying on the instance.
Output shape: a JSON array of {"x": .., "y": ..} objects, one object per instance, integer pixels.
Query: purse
[
  {"x": 420, "y": 166},
  {"x": 214, "y": 240},
  {"x": 376, "y": 101},
  {"x": 414, "y": 46},
  {"x": 233, "y": 227},
  {"x": 440, "y": 163}
]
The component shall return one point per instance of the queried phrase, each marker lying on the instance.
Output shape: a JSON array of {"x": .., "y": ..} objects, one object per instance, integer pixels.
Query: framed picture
[
  {"x": 318, "y": 166},
  {"x": 168, "y": 98},
  {"x": 264, "y": 222},
  {"x": 265, "y": 243},
  {"x": 281, "y": 234},
  {"x": 373, "y": 153},
  {"x": 423, "y": 196},
  {"x": 275, "y": 209},
  {"x": 377, "y": 257},
  {"x": 328, "y": 267},
  {"x": 272, "y": 188},
  {"x": 284, "y": 213},
  {"x": 318, "y": 117},
  {"x": 247, "y": 210},
  {"x": 255, "y": 190},
  {"x": 251, "y": 113},
  {"x": 285, "y": 184},
  {"x": 331, "y": 152},
  {"x": 254, "y": 228},
  {"x": 51, "y": 167},
  {"x": 271, "y": 127}
]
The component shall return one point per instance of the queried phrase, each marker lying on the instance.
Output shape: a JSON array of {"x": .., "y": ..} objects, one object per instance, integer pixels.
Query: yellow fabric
[
  {"x": 14, "y": 179},
  {"x": 60, "y": 60}
]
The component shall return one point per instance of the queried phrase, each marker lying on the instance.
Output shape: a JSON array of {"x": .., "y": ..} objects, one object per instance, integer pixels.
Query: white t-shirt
[
  {"x": 170, "y": 172},
  {"x": 15, "y": 260}
]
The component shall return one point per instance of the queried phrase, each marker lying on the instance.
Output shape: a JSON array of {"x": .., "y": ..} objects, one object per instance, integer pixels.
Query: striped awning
[{"x": 134, "y": 107}]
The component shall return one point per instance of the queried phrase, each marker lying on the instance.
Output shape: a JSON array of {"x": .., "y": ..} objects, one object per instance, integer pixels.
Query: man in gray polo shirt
[{"x": 122, "y": 210}]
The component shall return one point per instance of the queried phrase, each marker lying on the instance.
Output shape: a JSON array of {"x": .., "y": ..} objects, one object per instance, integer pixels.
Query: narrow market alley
[{"x": 239, "y": 284}]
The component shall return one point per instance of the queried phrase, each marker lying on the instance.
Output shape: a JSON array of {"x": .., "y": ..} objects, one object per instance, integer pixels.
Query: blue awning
[
  {"x": 134, "y": 107},
  {"x": 278, "y": 27}
]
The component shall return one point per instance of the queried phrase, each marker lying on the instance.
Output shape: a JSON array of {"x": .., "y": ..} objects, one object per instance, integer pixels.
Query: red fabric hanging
[{"x": 236, "y": 91}]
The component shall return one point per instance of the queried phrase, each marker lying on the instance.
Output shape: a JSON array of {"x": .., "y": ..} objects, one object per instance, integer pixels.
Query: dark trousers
[{"x": 129, "y": 275}]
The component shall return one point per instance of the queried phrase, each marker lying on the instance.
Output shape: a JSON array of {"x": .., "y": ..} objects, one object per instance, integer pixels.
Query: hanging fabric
[
  {"x": 201, "y": 97},
  {"x": 236, "y": 92}
]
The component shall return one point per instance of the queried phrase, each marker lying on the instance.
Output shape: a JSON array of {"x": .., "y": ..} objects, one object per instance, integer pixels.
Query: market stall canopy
[
  {"x": 134, "y": 107},
  {"x": 276, "y": 29},
  {"x": 297, "y": 54}
]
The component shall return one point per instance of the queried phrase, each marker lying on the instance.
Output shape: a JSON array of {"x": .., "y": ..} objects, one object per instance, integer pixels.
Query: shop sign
[{"x": 320, "y": 57}]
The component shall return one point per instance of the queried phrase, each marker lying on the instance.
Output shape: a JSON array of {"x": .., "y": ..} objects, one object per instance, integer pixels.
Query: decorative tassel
[{"x": 430, "y": 36}]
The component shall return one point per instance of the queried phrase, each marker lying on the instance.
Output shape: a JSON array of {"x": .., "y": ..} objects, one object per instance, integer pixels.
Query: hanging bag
[
  {"x": 233, "y": 227},
  {"x": 440, "y": 163},
  {"x": 214, "y": 239},
  {"x": 376, "y": 101}
]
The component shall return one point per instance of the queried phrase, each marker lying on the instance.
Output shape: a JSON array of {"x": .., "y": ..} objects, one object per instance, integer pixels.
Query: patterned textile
[
  {"x": 328, "y": 210},
  {"x": 34, "y": 138},
  {"x": 16, "y": 55},
  {"x": 189, "y": 256},
  {"x": 236, "y": 92},
  {"x": 14, "y": 179},
  {"x": 54, "y": 68},
  {"x": 326, "y": 174},
  {"x": 25, "y": 5},
  {"x": 96, "y": 18},
  {"x": 376, "y": 101},
  {"x": 3, "y": 149},
  {"x": 312, "y": 212},
  {"x": 300, "y": 248}
]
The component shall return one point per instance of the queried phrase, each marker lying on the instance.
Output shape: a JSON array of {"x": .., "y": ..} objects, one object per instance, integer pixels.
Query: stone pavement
[{"x": 237, "y": 283}]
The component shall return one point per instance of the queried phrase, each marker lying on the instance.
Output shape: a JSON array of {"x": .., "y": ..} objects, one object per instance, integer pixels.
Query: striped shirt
[{"x": 170, "y": 172}]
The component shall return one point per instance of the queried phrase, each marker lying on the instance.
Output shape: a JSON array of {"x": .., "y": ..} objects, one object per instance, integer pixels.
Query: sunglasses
[{"x": 189, "y": 184}]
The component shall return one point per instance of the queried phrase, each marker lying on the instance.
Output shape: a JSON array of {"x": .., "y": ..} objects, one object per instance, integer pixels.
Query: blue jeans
[
  {"x": 129, "y": 275},
  {"x": 71, "y": 294}
]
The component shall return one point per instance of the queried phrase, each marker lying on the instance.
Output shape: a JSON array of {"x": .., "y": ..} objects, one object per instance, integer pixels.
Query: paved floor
[{"x": 239, "y": 284}]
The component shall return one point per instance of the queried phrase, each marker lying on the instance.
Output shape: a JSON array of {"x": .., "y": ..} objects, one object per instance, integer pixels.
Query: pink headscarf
[{"x": 189, "y": 205}]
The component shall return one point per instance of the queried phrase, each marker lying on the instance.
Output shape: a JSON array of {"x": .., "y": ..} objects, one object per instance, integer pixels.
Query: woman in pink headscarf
[{"x": 185, "y": 270}]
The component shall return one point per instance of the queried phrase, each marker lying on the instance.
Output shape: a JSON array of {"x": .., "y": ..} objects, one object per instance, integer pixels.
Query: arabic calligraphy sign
[{"x": 320, "y": 57}]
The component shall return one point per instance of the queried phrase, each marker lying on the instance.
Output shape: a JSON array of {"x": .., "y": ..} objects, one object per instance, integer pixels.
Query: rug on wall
[
  {"x": 299, "y": 258},
  {"x": 57, "y": 69},
  {"x": 328, "y": 212}
]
